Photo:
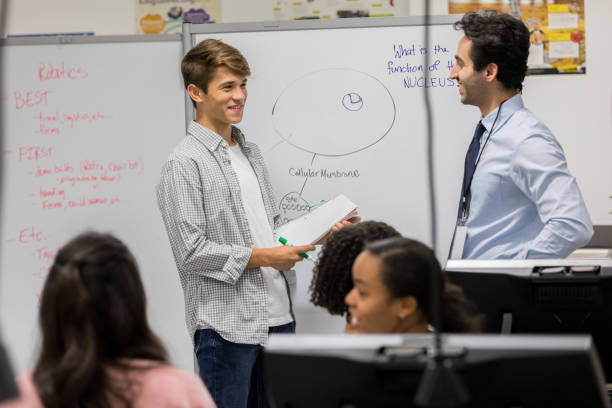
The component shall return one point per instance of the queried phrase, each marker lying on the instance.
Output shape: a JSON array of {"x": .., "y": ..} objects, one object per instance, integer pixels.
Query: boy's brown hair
[{"x": 200, "y": 63}]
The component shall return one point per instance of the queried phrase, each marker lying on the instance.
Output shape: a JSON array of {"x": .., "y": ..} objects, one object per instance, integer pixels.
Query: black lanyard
[{"x": 465, "y": 204}]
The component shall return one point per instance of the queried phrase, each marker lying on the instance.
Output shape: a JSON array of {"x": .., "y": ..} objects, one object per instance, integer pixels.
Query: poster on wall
[
  {"x": 167, "y": 16},
  {"x": 326, "y": 9},
  {"x": 557, "y": 31}
]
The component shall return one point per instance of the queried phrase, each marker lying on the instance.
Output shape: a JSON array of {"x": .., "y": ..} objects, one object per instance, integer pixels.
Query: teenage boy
[{"x": 219, "y": 211}]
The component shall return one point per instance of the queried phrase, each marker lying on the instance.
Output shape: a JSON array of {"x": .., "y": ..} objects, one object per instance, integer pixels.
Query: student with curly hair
[
  {"x": 97, "y": 347},
  {"x": 391, "y": 293},
  {"x": 332, "y": 279}
]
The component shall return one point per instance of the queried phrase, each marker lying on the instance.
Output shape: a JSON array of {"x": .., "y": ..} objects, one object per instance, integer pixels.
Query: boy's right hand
[{"x": 282, "y": 258}]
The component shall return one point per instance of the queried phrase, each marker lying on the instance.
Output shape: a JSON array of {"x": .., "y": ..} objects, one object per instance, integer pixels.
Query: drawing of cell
[
  {"x": 292, "y": 206},
  {"x": 334, "y": 112},
  {"x": 352, "y": 101}
]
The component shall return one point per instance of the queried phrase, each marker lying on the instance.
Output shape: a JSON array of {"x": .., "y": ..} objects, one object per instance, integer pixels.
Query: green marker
[{"x": 284, "y": 242}]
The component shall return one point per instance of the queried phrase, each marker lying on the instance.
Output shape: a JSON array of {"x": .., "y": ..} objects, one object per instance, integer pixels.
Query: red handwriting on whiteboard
[
  {"x": 47, "y": 71},
  {"x": 74, "y": 117},
  {"x": 48, "y": 204},
  {"x": 30, "y": 99},
  {"x": 74, "y": 180},
  {"x": 44, "y": 254},
  {"x": 30, "y": 234},
  {"x": 51, "y": 123},
  {"x": 56, "y": 169},
  {"x": 44, "y": 130},
  {"x": 133, "y": 165},
  {"x": 42, "y": 171},
  {"x": 63, "y": 168},
  {"x": 90, "y": 165},
  {"x": 52, "y": 193},
  {"x": 83, "y": 201},
  {"x": 27, "y": 153}
]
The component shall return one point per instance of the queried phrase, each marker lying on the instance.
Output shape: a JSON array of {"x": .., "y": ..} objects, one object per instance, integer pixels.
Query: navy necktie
[{"x": 470, "y": 163}]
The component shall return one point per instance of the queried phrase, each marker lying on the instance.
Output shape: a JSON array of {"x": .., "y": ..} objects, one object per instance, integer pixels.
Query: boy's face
[{"x": 223, "y": 103}]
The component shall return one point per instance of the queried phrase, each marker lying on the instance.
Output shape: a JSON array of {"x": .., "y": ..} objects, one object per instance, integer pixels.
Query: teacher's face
[{"x": 472, "y": 84}]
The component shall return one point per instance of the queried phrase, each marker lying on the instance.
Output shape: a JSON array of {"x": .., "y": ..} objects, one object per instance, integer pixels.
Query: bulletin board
[
  {"x": 556, "y": 27},
  {"x": 326, "y": 9}
]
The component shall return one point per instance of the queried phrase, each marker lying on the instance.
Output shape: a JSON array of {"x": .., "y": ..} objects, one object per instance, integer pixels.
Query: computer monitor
[
  {"x": 8, "y": 388},
  {"x": 357, "y": 371},
  {"x": 572, "y": 296}
]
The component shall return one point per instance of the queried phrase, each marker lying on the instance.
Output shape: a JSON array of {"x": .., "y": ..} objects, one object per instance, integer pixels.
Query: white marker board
[
  {"x": 333, "y": 113},
  {"x": 338, "y": 107},
  {"x": 86, "y": 129}
]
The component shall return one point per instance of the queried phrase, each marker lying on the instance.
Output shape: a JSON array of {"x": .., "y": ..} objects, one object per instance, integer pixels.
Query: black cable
[
  {"x": 435, "y": 301},
  {"x": 429, "y": 129},
  {"x": 440, "y": 386}
]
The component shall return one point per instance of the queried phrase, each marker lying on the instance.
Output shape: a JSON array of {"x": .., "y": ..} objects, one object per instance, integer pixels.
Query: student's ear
[
  {"x": 407, "y": 306},
  {"x": 491, "y": 71},
  {"x": 195, "y": 93}
]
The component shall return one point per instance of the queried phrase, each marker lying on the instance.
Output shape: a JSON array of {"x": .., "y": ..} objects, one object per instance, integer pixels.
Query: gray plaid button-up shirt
[{"x": 199, "y": 198}]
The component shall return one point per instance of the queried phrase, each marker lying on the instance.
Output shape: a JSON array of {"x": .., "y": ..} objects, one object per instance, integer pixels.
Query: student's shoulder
[
  {"x": 174, "y": 386},
  {"x": 189, "y": 152},
  {"x": 253, "y": 147},
  {"x": 28, "y": 396}
]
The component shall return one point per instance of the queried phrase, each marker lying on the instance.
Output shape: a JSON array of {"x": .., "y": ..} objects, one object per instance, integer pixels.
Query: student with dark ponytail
[
  {"x": 391, "y": 292},
  {"x": 97, "y": 347}
]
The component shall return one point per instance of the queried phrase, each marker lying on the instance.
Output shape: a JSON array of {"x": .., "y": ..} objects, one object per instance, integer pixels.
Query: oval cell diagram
[{"x": 334, "y": 112}]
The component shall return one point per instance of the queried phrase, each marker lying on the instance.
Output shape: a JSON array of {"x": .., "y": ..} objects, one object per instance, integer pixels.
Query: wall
[{"x": 116, "y": 17}]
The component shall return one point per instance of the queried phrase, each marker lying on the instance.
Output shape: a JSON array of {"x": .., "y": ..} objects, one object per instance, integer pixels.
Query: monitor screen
[
  {"x": 8, "y": 388},
  {"x": 385, "y": 371},
  {"x": 543, "y": 296}
]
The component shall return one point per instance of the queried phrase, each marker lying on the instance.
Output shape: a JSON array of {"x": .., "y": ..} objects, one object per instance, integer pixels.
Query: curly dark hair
[
  {"x": 332, "y": 280},
  {"x": 500, "y": 39}
]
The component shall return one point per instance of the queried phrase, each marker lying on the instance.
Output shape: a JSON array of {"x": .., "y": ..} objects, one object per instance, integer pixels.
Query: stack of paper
[{"x": 312, "y": 227}]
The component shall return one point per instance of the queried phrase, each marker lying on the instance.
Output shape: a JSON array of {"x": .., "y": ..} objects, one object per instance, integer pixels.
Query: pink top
[{"x": 160, "y": 386}]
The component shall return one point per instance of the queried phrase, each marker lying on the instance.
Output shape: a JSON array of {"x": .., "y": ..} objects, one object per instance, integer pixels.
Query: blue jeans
[{"x": 233, "y": 372}]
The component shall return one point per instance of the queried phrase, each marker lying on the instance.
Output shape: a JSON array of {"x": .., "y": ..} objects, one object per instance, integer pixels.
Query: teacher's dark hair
[
  {"x": 407, "y": 266},
  {"x": 500, "y": 39},
  {"x": 92, "y": 316},
  {"x": 332, "y": 279}
]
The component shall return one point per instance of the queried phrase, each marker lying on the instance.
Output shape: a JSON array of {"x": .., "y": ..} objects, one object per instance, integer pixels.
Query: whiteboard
[
  {"x": 337, "y": 107},
  {"x": 87, "y": 127},
  {"x": 330, "y": 117}
]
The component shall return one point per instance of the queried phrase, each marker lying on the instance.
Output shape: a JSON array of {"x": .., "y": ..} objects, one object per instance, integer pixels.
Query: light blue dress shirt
[{"x": 525, "y": 203}]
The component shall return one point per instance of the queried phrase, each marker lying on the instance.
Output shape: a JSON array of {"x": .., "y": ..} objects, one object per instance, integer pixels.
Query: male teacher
[
  {"x": 219, "y": 211},
  {"x": 518, "y": 198}
]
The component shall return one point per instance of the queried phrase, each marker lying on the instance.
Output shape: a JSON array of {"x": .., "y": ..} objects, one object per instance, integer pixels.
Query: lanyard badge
[
  {"x": 465, "y": 202},
  {"x": 460, "y": 235}
]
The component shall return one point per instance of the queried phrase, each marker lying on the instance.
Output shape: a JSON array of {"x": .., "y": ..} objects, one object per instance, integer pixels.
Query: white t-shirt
[{"x": 263, "y": 237}]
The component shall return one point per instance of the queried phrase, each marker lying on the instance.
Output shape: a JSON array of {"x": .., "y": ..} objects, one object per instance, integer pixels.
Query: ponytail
[
  {"x": 407, "y": 267},
  {"x": 459, "y": 314}
]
